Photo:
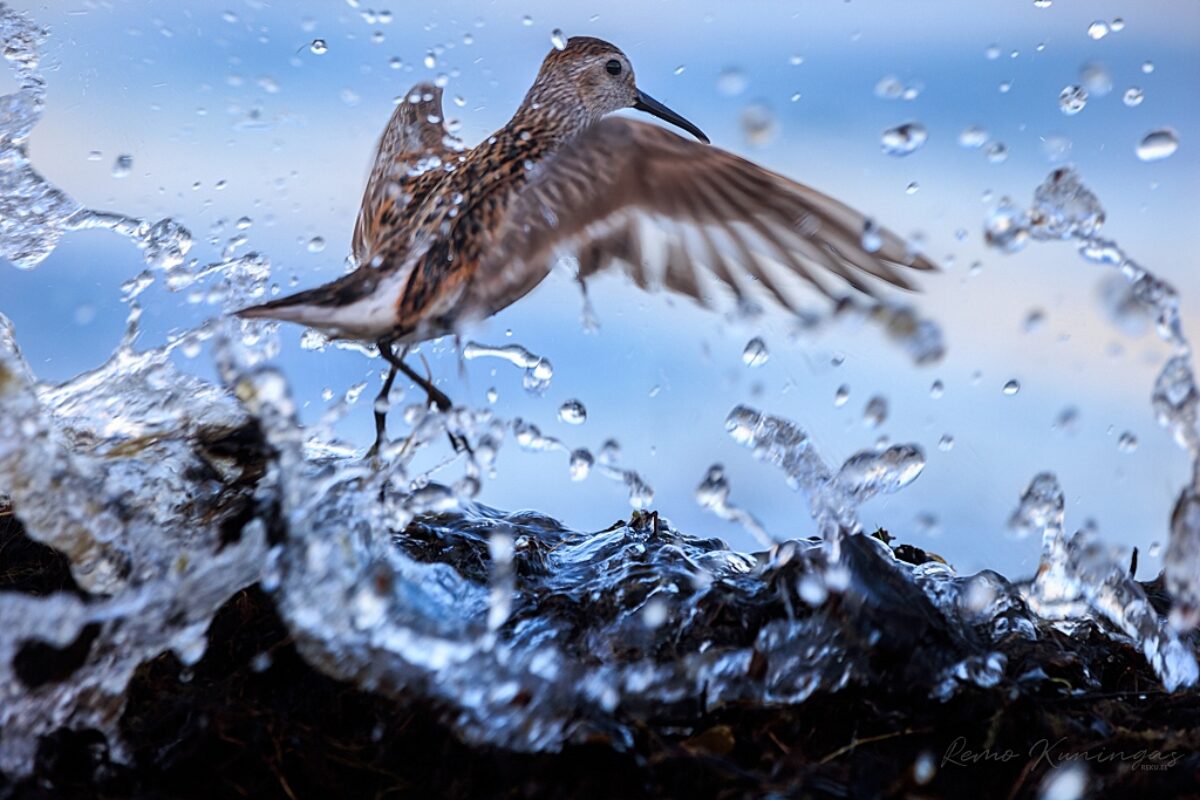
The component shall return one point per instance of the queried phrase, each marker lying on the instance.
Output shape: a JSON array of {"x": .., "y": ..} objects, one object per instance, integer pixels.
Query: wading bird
[{"x": 448, "y": 235}]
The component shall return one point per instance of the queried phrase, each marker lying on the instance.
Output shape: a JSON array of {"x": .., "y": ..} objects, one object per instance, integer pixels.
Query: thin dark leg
[
  {"x": 381, "y": 415},
  {"x": 436, "y": 396}
]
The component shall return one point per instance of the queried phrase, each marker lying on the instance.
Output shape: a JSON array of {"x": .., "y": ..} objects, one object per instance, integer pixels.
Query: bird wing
[
  {"x": 413, "y": 146},
  {"x": 658, "y": 206}
]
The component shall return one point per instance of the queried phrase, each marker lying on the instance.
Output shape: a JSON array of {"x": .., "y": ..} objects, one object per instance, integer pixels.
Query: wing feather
[{"x": 621, "y": 184}]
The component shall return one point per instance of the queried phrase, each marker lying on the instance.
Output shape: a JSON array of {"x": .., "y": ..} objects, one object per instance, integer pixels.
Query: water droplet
[
  {"x": 889, "y": 88},
  {"x": 755, "y": 353},
  {"x": 558, "y": 39},
  {"x": 1067, "y": 419},
  {"x": 1134, "y": 96},
  {"x": 872, "y": 238},
  {"x": 243, "y": 223},
  {"x": 841, "y": 396},
  {"x": 1096, "y": 79},
  {"x": 904, "y": 139},
  {"x": 996, "y": 153},
  {"x": 1005, "y": 87},
  {"x": 1007, "y": 228},
  {"x": 319, "y": 47},
  {"x": 492, "y": 395},
  {"x": 313, "y": 340},
  {"x": 610, "y": 452},
  {"x": 1117, "y": 25},
  {"x": 992, "y": 52},
  {"x": 759, "y": 124},
  {"x": 1012, "y": 387},
  {"x": 731, "y": 82},
  {"x": 973, "y": 137},
  {"x": 1127, "y": 443},
  {"x": 580, "y": 464},
  {"x": 1158, "y": 145},
  {"x": 316, "y": 244},
  {"x": 1098, "y": 30},
  {"x": 654, "y": 614},
  {"x": 875, "y": 412},
  {"x": 912, "y": 188},
  {"x": 1033, "y": 320},
  {"x": 937, "y": 389},
  {"x": 527, "y": 20},
  {"x": 430, "y": 60},
  {"x": 1147, "y": 67},
  {"x": 946, "y": 443},
  {"x": 680, "y": 69},
  {"x": 122, "y": 166},
  {"x": 1042, "y": 3},
  {"x": 1072, "y": 99},
  {"x": 572, "y": 412}
]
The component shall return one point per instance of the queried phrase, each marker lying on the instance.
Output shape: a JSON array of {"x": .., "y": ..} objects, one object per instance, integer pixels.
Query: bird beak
[{"x": 648, "y": 104}]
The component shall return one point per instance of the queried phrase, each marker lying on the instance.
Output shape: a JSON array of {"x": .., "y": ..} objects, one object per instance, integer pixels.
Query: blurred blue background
[{"x": 227, "y": 113}]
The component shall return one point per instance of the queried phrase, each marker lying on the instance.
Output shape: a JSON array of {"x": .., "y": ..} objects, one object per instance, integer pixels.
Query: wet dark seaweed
[{"x": 227, "y": 729}]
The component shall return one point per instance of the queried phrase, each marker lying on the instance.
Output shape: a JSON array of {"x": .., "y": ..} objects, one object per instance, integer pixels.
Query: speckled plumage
[{"x": 448, "y": 235}]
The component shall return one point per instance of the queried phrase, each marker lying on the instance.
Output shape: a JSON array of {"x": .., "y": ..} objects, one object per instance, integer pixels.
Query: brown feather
[{"x": 620, "y": 167}]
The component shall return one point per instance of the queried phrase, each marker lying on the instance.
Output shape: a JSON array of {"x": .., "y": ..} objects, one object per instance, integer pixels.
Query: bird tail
[
  {"x": 321, "y": 308},
  {"x": 349, "y": 307}
]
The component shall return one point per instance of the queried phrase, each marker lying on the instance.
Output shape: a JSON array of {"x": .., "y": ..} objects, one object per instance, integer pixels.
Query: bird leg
[
  {"x": 381, "y": 409},
  {"x": 435, "y": 395}
]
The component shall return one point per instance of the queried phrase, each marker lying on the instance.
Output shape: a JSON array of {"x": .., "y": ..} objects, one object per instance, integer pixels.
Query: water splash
[
  {"x": 1066, "y": 210},
  {"x": 1078, "y": 574},
  {"x": 538, "y": 370},
  {"x": 167, "y": 494},
  {"x": 833, "y": 498}
]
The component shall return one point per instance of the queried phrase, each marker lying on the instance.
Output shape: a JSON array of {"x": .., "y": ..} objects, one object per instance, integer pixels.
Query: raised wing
[
  {"x": 667, "y": 210},
  {"x": 407, "y": 159}
]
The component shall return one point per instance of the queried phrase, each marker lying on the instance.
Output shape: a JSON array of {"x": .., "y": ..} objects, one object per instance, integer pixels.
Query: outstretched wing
[
  {"x": 667, "y": 210},
  {"x": 407, "y": 160}
]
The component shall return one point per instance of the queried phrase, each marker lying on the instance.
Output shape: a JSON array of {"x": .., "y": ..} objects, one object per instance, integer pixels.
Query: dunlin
[{"x": 449, "y": 235}]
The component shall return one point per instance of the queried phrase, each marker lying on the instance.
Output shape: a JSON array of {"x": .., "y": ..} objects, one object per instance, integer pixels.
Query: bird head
[{"x": 598, "y": 78}]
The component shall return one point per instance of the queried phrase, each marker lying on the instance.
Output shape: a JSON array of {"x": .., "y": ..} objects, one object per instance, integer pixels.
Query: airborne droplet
[
  {"x": 731, "y": 82},
  {"x": 1012, "y": 387},
  {"x": 572, "y": 412},
  {"x": 755, "y": 353},
  {"x": 319, "y": 47},
  {"x": 875, "y": 412},
  {"x": 1158, "y": 145},
  {"x": 1134, "y": 96},
  {"x": 558, "y": 39},
  {"x": 581, "y": 464},
  {"x": 973, "y": 137},
  {"x": 1098, "y": 30},
  {"x": 122, "y": 166},
  {"x": 904, "y": 139},
  {"x": 759, "y": 124},
  {"x": 1072, "y": 99}
]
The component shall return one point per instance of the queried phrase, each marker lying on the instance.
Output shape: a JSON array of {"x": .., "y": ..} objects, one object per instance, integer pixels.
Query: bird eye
[{"x": 613, "y": 67}]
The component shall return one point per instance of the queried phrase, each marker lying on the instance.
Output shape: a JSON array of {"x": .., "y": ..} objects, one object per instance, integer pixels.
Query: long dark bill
[{"x": 648, "y": 104}]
